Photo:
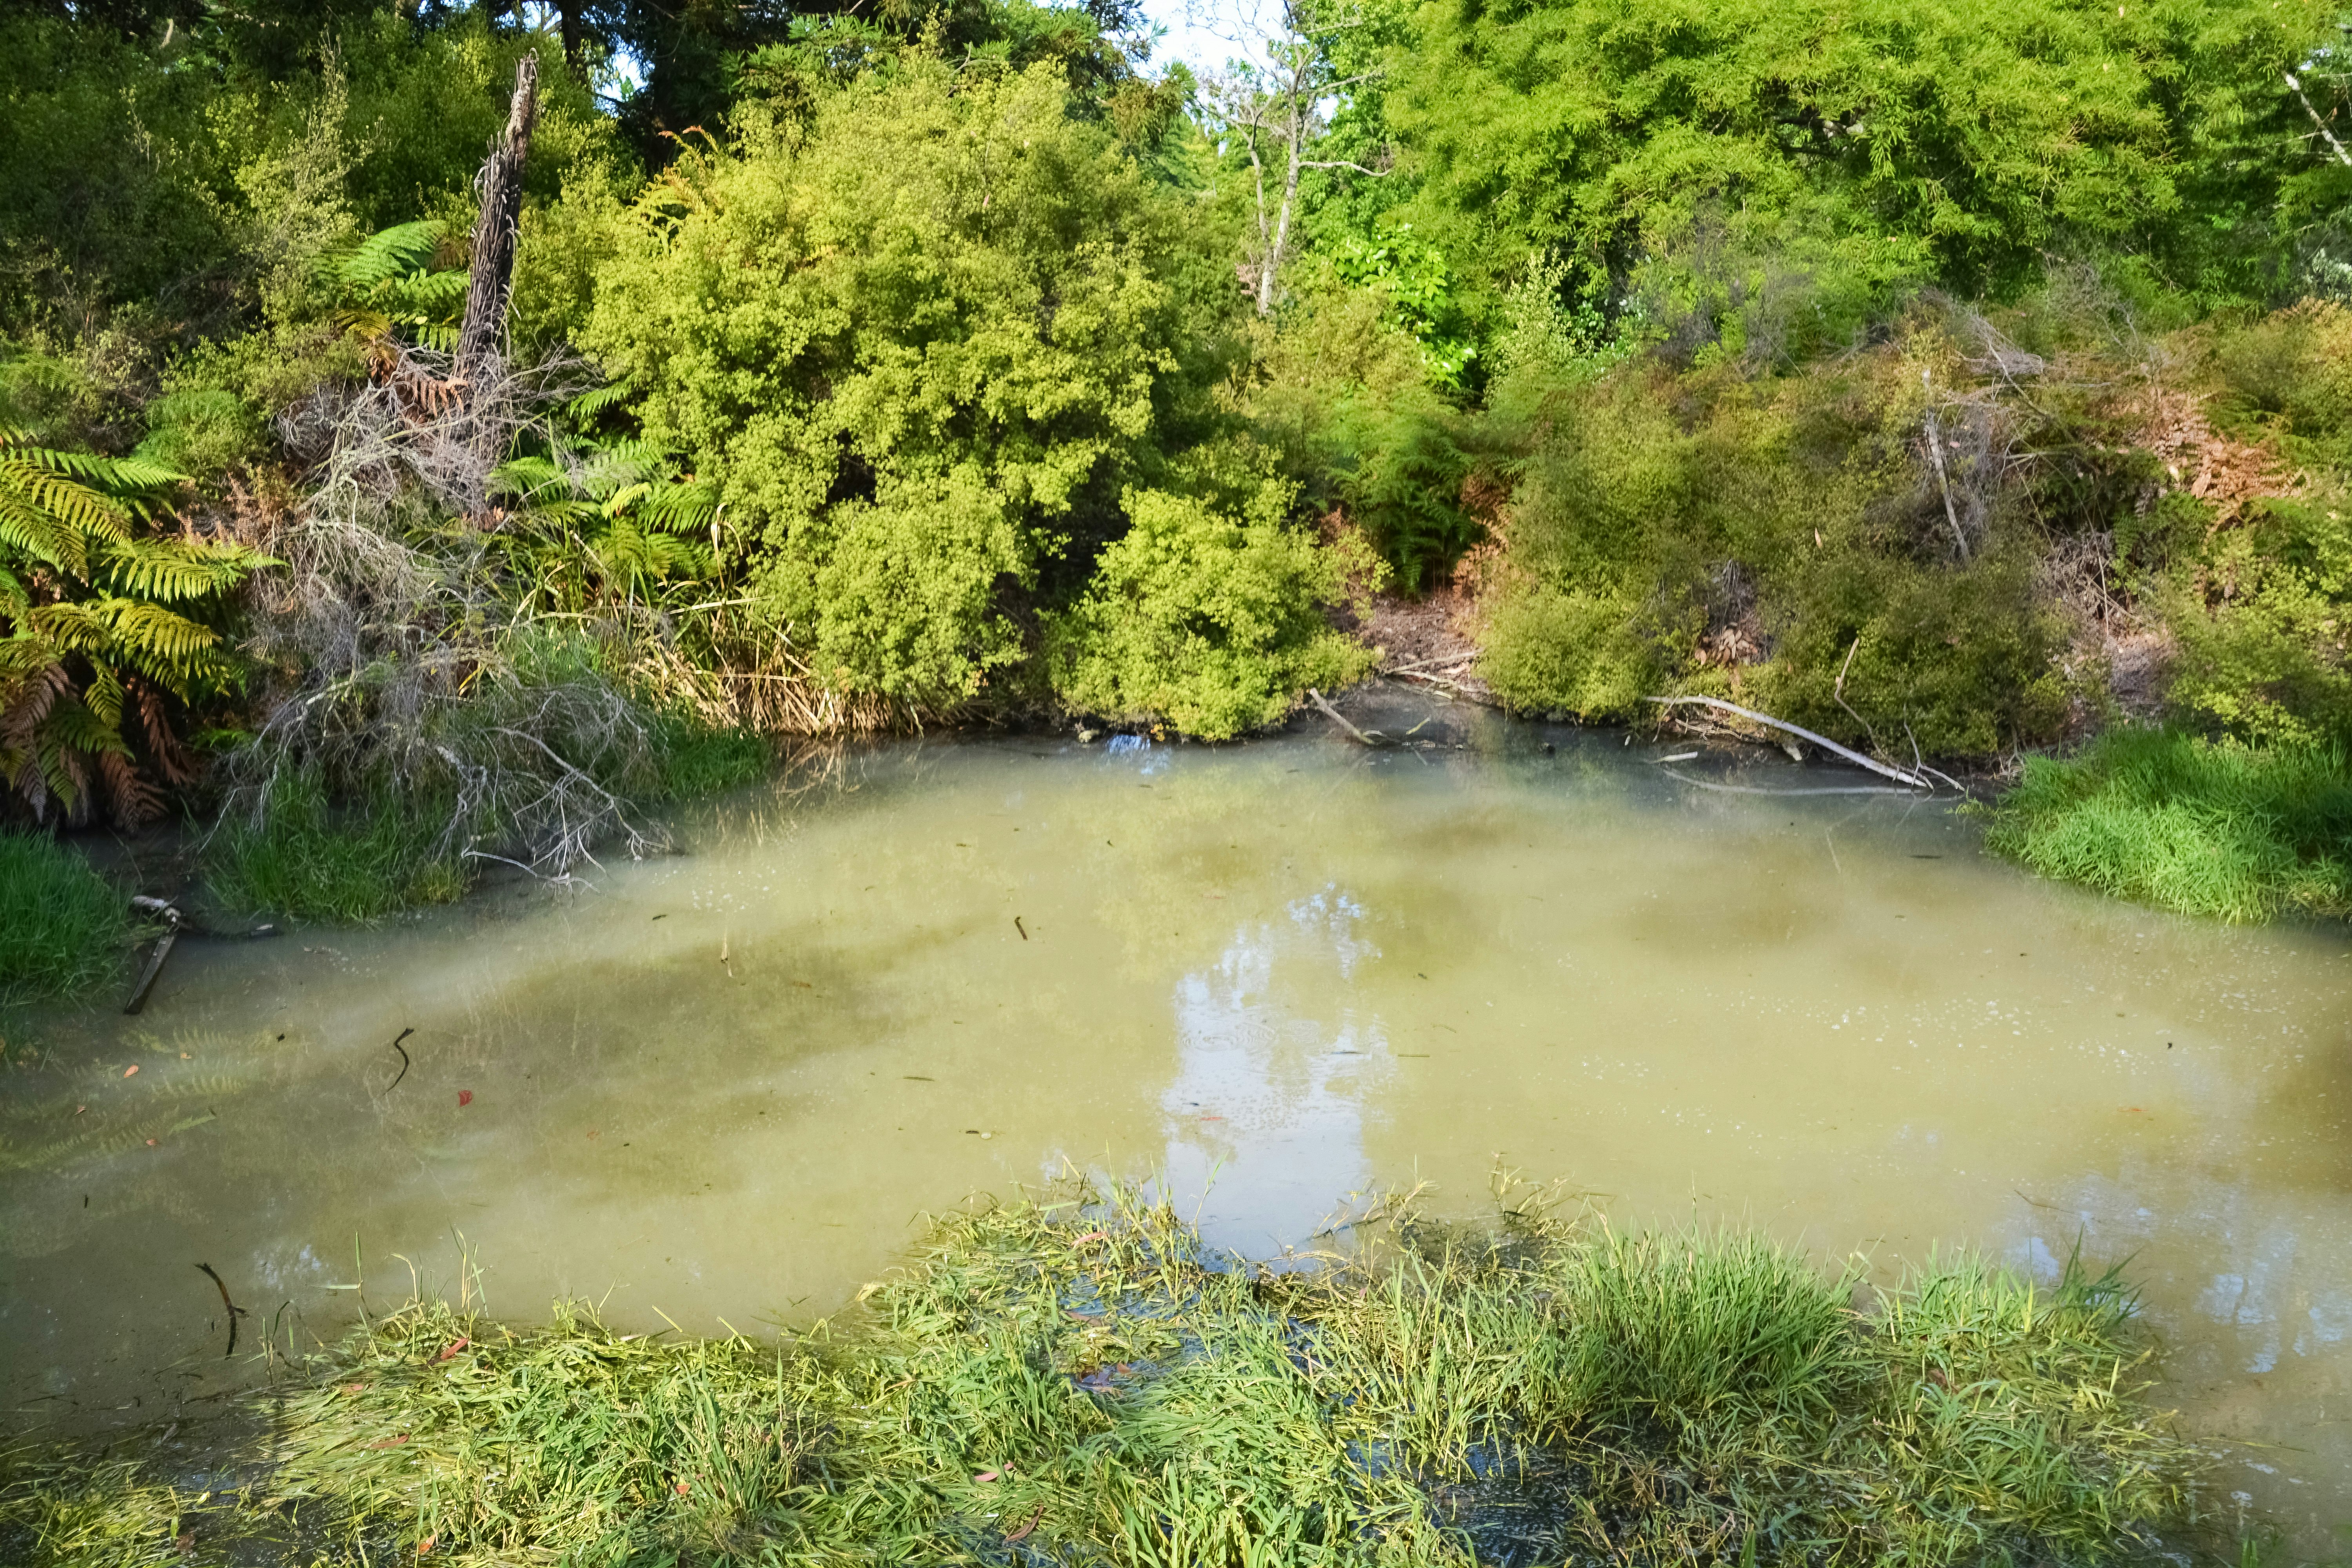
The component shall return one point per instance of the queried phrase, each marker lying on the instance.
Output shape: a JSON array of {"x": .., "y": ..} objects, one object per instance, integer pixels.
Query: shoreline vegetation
[
  {"x": 1959, "y": 381},
  {"x": 1077, "y": 1378}
]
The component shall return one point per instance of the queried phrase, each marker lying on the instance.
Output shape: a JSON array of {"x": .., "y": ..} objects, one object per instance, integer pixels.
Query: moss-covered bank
[{"x": 1082, "y": 1381}]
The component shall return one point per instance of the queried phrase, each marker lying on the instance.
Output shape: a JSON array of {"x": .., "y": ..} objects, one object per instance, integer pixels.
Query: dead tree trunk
[{"x": 482, "y": 338}]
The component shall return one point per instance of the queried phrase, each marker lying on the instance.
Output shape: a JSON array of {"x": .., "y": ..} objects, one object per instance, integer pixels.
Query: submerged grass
[
  {"x": 62, "y": 928},
  {"x": 1083, "y": 1382},
  {"x": 2210, "y": 829}
]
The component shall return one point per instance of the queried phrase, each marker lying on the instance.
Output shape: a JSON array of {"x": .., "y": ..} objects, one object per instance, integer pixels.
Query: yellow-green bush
[
  {"x": 918, "y": 334},
  {"x": 1206, "y": 618}
]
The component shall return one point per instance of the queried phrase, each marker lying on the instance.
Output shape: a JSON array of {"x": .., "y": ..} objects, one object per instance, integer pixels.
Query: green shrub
[
  {"x": 2205, "y": 828},
  {"x": 1871, "y": 147},
  {"x": 920, "y": 333},
  {"x": 2263, "y": 612},
  {"x": 1794, "y": 516},
  {"x": 1592, "y": 653},
  {"x": 1209, "y": 620},
  {"x": 62, "y": 928}
]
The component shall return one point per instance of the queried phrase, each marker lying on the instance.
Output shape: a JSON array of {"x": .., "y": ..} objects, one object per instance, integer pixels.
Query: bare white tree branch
[
  {"x": 1277, "y": 93},
  {"x": 2341, "y": 155}
]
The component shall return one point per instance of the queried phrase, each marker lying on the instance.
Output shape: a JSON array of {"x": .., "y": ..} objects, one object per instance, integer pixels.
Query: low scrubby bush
[
  {"x": 1207, "y": 619},
  {"x": 1781, "y": 542}
]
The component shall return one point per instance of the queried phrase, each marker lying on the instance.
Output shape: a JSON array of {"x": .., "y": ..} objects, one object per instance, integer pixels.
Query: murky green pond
[{"x": 719, "y": 1087}]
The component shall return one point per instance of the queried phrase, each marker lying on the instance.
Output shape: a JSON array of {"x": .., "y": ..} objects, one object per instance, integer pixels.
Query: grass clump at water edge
[
  {"x": 302, "y": 852},
  {"x": 1084, "y": 1381},
  {"x": 62, "y": 927},
  {"x": 2206, "y": 827}
]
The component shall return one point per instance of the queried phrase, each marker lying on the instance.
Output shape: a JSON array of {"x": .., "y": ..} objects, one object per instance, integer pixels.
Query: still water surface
[{"x": 719, "y": 1087}]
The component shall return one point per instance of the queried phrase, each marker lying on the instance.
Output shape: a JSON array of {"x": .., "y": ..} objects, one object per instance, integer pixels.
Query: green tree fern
[{"x": 94, "y": 629}]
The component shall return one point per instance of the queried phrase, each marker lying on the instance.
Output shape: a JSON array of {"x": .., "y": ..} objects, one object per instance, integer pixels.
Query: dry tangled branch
[{"x": 406, "y": 669}]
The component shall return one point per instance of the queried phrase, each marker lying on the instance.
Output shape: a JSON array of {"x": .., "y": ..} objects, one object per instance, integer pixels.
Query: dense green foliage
[
  {"x": 2187, "y": 823},
  {"x": 1786, "y": 514},
  {"x": 1090, "y": 1379},
  {"x": 1935, "y": 374},
  {"x": 99, "y": 625},
  {"x": 1206, "y": 621},
  {"x": 1830, "y": 155},
  {"x": 924, "y": 336},
  {"x": 61, "y": 925}
]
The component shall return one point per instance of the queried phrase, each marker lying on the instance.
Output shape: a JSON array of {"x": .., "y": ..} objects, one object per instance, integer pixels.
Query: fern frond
[
  {"x": 104, "y": 696},
  {"x": 590, "y": 404},
  {"x": 45, "y": 504},
  {"x": 71, "y": 628},
  {"x": 622, "y": 498},
  {"x": 32, "y": 531},
  {"x": 73, "y": 726},
  {"x": 175, "y": 569},
  {"x": 435, "y": 295},
  {"x": 393, "y": 253},
  {"x": 529, "y": 477},
  {"x": 685, "y": 507},
  {"x": 135, "y": 800}
]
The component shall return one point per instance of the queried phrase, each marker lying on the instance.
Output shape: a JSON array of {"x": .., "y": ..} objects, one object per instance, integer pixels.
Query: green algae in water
[{"x": 1083, "y": 1381}]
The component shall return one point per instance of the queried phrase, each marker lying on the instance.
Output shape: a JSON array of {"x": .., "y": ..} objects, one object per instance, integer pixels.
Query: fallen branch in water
[
  {"x": 1334, "y": 715},
  {"x": 163, "y": 950},
  {"x": 1900, "y": 775}
]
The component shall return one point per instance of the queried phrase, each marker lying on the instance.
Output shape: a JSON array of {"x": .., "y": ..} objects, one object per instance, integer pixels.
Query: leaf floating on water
[
  {"x": 465, "y": 1096},
  {"x": 131, "y": 1068}
]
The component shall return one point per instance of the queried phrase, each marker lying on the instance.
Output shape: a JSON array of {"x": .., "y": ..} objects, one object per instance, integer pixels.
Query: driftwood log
[
  {"x": 1884, "y": 770},
  {"x": 1334, "y": 715},
  {"x": 171, "y": 920}
]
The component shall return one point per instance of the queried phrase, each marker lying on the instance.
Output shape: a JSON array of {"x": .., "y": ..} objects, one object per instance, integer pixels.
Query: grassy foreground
[
  {"x": 2204, "y": 828},
  {"x": 62, "y": 928},
  {"x": 1083, "y": 1382}
]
